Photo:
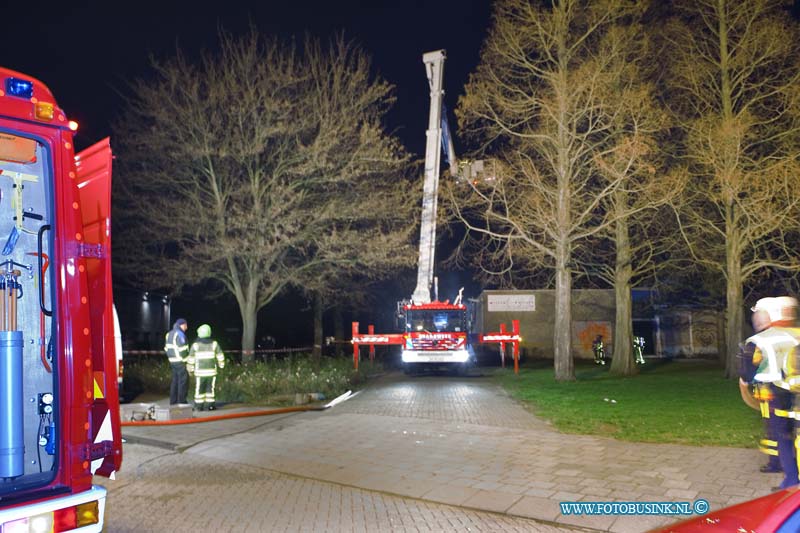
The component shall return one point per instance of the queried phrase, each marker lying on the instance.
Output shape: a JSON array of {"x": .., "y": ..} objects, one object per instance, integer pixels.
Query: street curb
[{"x": 164, "y": 445}]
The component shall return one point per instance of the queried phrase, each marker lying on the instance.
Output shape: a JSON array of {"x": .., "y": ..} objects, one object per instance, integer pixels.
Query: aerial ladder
[
  {"x": 435, "y": 333},
  {"x": 434, "y": 67}
]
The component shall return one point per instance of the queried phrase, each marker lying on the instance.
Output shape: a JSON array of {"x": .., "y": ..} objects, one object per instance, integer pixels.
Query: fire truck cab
[
  {"x": 435, "y": 334},
  {"x": 59, "y": 405}
]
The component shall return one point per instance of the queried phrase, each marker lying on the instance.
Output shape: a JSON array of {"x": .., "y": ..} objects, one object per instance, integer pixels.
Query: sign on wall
[{"x": 511, "y": 302}]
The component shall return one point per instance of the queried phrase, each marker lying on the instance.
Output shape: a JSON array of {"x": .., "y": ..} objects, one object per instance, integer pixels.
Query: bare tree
[
  {"x": 242, "y": 166},
  {"x": 360, "y": 179},
  {"x": 631, "y": 220},
  {"x": 734, "y": 86},
  {"x": 545, "y": 102}
]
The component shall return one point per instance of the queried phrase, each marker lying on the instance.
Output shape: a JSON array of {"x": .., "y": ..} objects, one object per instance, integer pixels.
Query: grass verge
[{"x": 682, "y": 402}]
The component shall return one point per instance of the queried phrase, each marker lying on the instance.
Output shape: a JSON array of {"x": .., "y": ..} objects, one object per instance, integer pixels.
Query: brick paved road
[
  {"x": 468, "y": 400},
  {"x": 160, "y": 490},
  {"x": 461, "y": 441}
]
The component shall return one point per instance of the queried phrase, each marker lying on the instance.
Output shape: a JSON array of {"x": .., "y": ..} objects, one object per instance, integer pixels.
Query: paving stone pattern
[
  {"x": 470, "y": 400},
  {"x": 168, "y": 491},
  {"x": 462, "y": 442}
]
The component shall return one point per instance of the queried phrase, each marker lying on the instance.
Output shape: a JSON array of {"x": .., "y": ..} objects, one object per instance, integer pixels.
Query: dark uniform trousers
[
  {"x": 776, "y": 409},
  {"x": 769, "y": 444},
  {"x": 179, "y": 386}
]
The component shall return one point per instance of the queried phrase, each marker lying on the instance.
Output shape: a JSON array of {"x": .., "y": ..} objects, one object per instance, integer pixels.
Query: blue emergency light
[{"x": 18, "y": 87}]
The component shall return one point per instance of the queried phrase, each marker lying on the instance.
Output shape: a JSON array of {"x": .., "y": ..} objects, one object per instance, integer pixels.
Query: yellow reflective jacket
[
  {"x": 205, "y": 357},
  {"x": 175, "y": 346}
]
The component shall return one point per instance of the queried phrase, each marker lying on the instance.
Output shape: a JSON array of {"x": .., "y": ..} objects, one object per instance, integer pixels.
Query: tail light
[{"x": 66, "y": 519}]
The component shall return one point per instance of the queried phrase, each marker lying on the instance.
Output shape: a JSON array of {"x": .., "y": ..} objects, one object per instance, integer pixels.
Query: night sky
[{"x": 87, "y": 51}]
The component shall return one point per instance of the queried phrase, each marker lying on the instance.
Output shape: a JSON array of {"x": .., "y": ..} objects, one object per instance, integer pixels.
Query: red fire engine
[{"x": 59, "y": 406}]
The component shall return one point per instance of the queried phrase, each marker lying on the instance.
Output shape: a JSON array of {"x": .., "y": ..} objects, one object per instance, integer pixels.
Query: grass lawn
[{"x": 682, "y": 402}]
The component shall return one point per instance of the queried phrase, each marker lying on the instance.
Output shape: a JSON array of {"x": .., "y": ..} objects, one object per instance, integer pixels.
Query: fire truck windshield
[{"x": 435, "y": 320}]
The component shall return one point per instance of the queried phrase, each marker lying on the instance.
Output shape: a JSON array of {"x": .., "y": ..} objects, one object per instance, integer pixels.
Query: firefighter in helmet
[
  {"x": 599, "y": 351},
  {"x": 205, "y": 357},
  {"x": 757, "y": 395},
  {"x": 777, "y": 376},
  {"x": 177, "y": 349}
]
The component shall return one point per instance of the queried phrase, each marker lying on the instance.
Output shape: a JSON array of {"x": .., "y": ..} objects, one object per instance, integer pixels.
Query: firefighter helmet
[
  {"x": 781, "y": 308},
  {"x": 204, "y": 331}
]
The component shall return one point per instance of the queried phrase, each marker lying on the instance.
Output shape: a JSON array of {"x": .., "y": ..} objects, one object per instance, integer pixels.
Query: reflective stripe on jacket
[
  {"x": 205, "y": 357},
  {"x": 175, "y": 346}
]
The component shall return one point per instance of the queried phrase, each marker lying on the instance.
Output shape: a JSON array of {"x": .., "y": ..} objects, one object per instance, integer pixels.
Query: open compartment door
[{"x": 94, "y": 184}]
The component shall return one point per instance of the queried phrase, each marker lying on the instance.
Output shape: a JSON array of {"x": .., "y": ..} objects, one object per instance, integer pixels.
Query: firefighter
[
  {"x": 778, "y": 378},
  {"x": 205, "y": 357},
  {"x": 177, "y": 350},
  {"x": 761, "y": 392},
  {"x": 599, "y": 352},
  {"x": 638, "y": 348}
]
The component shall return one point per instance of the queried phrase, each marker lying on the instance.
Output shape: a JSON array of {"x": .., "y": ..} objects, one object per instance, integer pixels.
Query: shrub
[
  {"x": 272, "y": 382},
  {"x": 146, "y": 374}
]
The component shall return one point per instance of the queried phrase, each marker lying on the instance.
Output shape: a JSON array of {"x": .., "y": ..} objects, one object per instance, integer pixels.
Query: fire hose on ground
[{"x": 346, "y": 396}]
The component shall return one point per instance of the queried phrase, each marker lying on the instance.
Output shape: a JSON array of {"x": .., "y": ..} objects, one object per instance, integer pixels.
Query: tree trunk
[
  {"x": 562, "y": 331},
  {"x": 733, "y": 266},
  {"x": 316, "y": 352},
  {"x": 722, "y": 350},
  {"x": 734, "y": 313},
  {"x": 248, "y": 333},
  {"x": 623, "y": 363},
  {"x": 562, "y": 334}
]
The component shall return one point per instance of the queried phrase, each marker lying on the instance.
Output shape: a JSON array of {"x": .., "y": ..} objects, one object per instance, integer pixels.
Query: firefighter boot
[{"x": 599, "y": 356}]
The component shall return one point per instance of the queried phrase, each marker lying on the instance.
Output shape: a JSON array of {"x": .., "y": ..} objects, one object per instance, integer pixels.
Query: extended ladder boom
[{"x": 434, "y": 66}]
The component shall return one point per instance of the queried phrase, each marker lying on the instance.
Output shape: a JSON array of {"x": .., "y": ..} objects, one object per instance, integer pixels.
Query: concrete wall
[
  {"x": 671, "y": 333},
  {"x": 690, "y": 333},
  {"x": 592, "y": 314}
]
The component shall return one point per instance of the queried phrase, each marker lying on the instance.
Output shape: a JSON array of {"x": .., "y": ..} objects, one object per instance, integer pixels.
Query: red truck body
[
  {"x": 59, "y": 414},
  {"x": 435, "y": 333},
  {"x": 778, "y": 512}
]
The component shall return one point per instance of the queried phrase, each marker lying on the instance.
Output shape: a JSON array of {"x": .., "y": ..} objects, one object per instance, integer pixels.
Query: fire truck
[
  {"x": 59, "y": 405},
  {"x": 435, "y": 333}
]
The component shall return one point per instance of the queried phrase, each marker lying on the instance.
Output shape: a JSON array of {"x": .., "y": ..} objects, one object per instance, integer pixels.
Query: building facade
[{"x": 668, "y": 332}]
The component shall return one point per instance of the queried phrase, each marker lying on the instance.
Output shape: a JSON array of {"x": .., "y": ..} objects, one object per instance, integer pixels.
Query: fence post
[
  {"x": 502, "y": 347},
  {"x": 355, "y": 346},
  {"x": 371, "y": 330},
  {"x": 515, "y": 329}
]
